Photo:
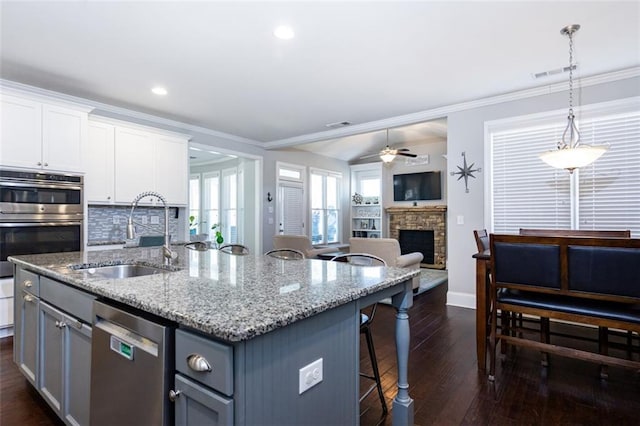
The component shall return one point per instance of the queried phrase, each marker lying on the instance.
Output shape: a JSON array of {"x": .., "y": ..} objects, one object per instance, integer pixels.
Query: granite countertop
[{"x": 231, "y": 297}]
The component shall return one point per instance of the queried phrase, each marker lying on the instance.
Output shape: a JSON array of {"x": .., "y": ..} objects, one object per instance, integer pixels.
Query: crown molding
[
  {"x": 403, "y": 120},
  {"x": 98, "y": 107},
  {"x": 432, "y": 114}
]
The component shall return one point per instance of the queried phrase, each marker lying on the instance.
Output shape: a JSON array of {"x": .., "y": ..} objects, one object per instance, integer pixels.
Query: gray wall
[
  {"x": 466, "y": 133},
  {"x": 307, "y": 159}
]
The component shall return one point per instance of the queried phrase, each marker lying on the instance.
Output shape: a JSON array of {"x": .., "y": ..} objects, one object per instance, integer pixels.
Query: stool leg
[
  {"x": 544, "y": 338},
  {"x": 374, "y": 366},
  {"x": 603, "y": 348}
]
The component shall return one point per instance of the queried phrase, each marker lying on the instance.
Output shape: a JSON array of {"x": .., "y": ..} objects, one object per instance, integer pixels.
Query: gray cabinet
[
  {"x": 65, "y": 364},
  {"x": 199, "y": 405},
  {"x": 25, "y": 340},
  {"x": 204, "y": 383},
  {"x": 52, "y": 346}
]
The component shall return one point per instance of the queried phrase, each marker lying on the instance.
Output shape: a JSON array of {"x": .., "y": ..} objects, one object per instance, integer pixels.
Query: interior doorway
[{"x": 225, "y": 196}]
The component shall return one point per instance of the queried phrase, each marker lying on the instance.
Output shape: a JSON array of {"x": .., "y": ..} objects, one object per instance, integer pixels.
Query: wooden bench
[{"x": 591, "y": 281}]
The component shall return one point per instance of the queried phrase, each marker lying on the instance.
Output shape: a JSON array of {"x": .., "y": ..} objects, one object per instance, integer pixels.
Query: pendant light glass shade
[
  {"x": 573, "y": 158},
  {"x": 569, "y": 154}
]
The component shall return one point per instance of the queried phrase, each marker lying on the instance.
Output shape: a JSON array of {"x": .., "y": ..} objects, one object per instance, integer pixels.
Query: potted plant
[
  {"x": 218, "y": 238},
  {"x": 193, "y": 225}
]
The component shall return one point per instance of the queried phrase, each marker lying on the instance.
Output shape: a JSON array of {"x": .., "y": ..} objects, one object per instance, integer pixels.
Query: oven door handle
[
  {"x": 27, "y": 185},
  {"x": 33, "y": 224}
]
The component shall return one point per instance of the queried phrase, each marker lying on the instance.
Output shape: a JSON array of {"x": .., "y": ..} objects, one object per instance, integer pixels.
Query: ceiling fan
[{"x": 387, "y": 154}]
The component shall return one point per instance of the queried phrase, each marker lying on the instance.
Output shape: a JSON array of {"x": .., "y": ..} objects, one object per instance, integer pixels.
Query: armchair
[
  {"x": 301, "y": 243},
  {"x": 389, "y": 250}
]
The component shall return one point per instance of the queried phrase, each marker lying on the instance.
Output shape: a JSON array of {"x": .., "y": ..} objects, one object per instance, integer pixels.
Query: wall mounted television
[{"x": 417, "y": 186}]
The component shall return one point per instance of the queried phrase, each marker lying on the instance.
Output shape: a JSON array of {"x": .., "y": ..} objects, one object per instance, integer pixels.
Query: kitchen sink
[{"x": 123, "y": 271}]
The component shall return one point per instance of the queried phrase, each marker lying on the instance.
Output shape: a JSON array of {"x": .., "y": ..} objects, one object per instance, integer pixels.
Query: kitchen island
[{"x": 273, "y": 316}]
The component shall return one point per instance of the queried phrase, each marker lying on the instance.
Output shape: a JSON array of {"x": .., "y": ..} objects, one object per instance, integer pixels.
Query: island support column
[{"x": 402, "y": 403}]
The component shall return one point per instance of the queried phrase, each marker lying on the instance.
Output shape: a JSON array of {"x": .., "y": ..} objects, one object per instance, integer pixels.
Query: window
[
  {"x": 194, "y": 203},
  {"x": 230, "y": 205},
  {"x": 290, "y": 200},
  {"x": 527, "y": 193},
  {"x": 325, "y": 210},
  {"x": 211, "y": 205}
]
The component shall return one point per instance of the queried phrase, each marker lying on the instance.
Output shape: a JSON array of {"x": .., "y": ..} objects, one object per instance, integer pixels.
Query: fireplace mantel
[
  {"x": 415, "y": 209},
  {"x": 422, "y": 218}
]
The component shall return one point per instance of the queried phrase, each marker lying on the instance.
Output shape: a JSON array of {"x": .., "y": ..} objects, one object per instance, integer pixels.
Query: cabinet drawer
[
  {"x": 6, "y": 287},
  {"x": 6, "y": 312},
  {"x": 218, "y": 356},
  {"x": 27, "y": 281},
  {"x": 73, "y": 301}
]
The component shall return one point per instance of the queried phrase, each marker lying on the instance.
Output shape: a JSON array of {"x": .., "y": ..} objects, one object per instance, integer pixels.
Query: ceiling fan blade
[
  {"x": 369, "y": 156},
  {"x": 407, "y": 154}
]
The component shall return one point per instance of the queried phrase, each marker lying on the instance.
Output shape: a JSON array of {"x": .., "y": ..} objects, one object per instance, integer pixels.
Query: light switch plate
[{"x": 155, "y": 220}]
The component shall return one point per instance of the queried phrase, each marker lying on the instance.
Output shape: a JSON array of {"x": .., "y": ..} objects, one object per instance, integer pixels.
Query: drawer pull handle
[
  {"x": 28, "y": 283},
  {"x": 198, "y": 363},
  {"x": 173, "y": 395}
]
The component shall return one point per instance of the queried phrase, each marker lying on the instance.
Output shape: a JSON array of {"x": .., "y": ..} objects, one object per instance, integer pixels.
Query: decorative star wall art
[{"x": 466, "y": 172}]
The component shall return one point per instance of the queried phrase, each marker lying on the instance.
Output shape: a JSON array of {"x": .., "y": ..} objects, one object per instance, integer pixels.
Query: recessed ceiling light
[
  {"x": 161, "y": 91},
  {"x": 284, "y": 32}
]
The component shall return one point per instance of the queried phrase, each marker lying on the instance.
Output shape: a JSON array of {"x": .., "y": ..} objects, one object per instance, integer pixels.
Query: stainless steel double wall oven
[{"x": 40, "y": 212}]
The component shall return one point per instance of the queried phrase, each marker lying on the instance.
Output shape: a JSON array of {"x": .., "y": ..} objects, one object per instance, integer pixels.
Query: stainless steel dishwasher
[{"x": 132, "y": 368}]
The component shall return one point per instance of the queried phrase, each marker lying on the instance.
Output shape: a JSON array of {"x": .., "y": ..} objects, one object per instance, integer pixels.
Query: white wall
[{"x": 466, "y": 133}]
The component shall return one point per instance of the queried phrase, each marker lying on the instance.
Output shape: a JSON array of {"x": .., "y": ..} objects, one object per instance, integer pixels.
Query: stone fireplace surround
[{"x": 422, "y": 218}]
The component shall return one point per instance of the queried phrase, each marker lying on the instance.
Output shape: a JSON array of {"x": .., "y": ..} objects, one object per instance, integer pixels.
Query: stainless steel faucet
[{"x": 167, "y": 253}]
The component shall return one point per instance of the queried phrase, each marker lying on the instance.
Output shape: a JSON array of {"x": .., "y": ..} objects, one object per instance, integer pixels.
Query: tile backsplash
[{"x": 109, "y": 223}]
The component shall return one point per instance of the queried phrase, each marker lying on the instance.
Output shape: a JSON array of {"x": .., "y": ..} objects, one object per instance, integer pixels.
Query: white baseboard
[
  {"x": 462, "y": 300},
  {"x": 6, "y": 332}
]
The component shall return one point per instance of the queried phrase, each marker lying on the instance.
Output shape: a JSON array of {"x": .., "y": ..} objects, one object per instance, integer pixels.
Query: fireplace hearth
[{"x": 424, "y": 218}]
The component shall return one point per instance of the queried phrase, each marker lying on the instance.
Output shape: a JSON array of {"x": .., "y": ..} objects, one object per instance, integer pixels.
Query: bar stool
[{"x": 365, "y": 259}]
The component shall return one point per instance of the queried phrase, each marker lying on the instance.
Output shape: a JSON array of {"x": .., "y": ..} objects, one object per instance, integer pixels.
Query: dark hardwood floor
[{"x": 445, "y": 384}]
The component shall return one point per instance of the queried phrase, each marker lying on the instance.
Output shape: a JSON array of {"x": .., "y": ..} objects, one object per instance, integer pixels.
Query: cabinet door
[
  {"x": 77, "y": 371},
  {"x": 20, "y": 132},
  {"x": 172, "y": 170},
  {"x": 198, "y": 405},
  {"x": 51, "y": 356},
  {"x": 99, "y": 161},
  {"x": 134, "y": 164},
  {"x": 25, "y": 340},
  {"x": 63, "y": 138}
]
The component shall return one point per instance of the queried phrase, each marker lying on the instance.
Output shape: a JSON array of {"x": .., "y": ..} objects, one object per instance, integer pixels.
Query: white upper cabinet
[
  {"x": 172, "y": 169},
  {"x": 100, "y": 180},
  {"x": 135, "y": 165},
  {"x": 125, "y": 160},
  {"x": 38, "y": 135}
]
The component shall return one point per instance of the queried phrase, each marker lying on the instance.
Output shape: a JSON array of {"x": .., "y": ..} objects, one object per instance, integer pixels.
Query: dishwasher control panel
[{"x": 121, "y": 348}]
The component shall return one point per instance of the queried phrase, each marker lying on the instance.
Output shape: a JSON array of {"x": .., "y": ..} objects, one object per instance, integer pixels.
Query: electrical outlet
[
  {"x": 155, "y": 220},
  {"x": 116, "y": 220},
  {"x": 309, "y": 376},
  {"x": 144, "y": 220}
]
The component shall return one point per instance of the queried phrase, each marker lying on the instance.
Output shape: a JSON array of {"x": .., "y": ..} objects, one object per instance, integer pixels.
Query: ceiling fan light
[
  {"x": 573, "y": 158},
  {"x": 387, "y": 157}
]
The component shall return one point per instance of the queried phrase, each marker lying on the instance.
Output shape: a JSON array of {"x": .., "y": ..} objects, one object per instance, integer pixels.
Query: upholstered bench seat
[{"x": 572, "y": 305}]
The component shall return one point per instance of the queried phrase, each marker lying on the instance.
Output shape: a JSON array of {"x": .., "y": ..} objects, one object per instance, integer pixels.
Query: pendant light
[{"x": 569, "y": 154}]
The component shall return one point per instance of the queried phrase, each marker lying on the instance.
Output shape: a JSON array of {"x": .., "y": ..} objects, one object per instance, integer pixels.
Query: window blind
[
  {"x": 527, "y": 193},
  {"x": 609, "y": 189}
]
